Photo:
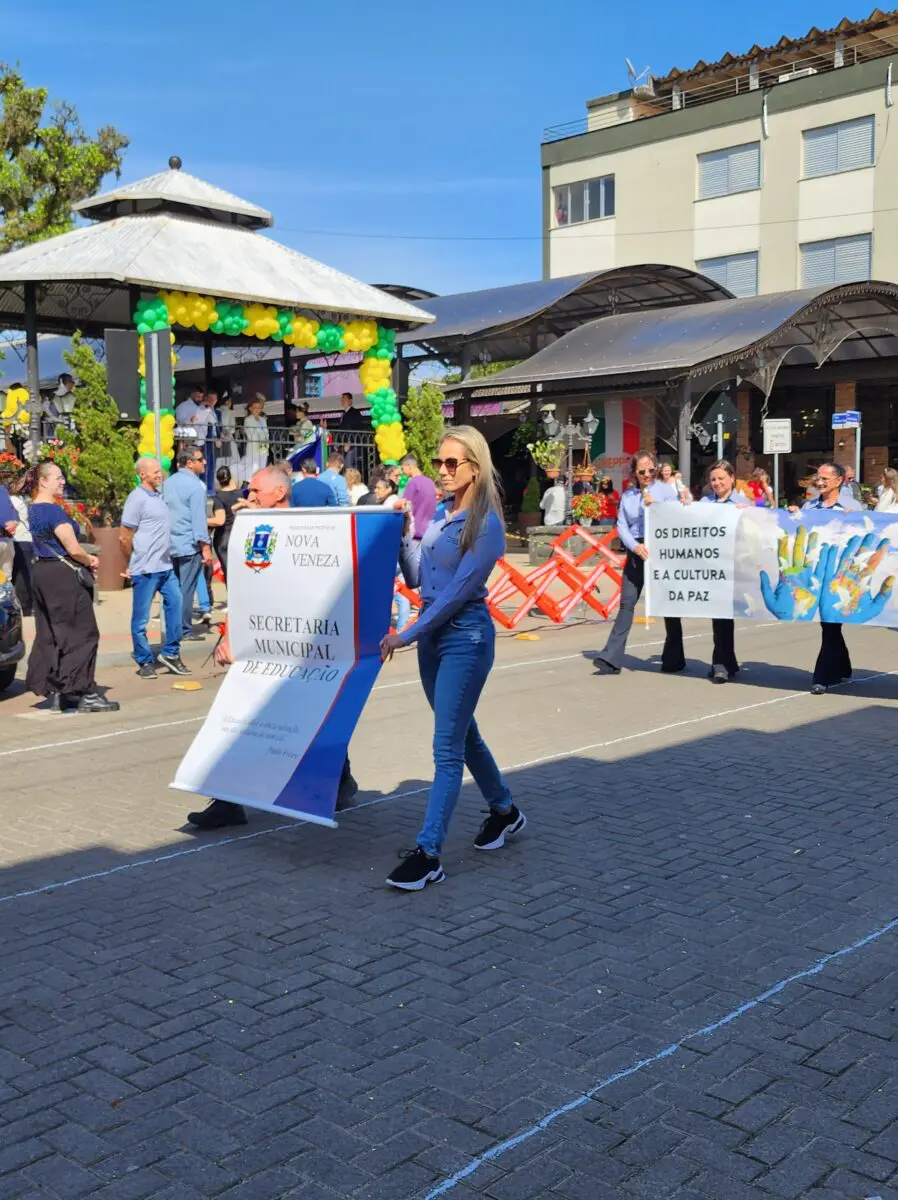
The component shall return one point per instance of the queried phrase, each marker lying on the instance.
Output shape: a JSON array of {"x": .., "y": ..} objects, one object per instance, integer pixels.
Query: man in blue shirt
[
  {"x": 145, "y": 538},
  {"x": 311, "y": 492},
  {"x": 333, "y": 476},
  {"x": 185, "y": 495}
]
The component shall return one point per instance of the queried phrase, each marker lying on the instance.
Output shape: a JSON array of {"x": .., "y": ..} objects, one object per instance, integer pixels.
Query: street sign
[
  {"x": 778, "y": 436},
  {"x": 847, "y": 420},
  {"x": 724, "y": 407}
]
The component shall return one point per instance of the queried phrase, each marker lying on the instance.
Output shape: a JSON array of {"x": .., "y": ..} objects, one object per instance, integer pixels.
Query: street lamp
[{"x": 582, "y": 432}]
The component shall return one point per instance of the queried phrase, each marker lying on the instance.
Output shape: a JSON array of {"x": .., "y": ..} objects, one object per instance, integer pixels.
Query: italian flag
[{"x": 616, "y": 439}]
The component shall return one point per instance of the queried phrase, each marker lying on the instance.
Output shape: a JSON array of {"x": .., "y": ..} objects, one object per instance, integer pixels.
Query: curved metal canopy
[
  {"x": 514, "y": 321},
  {"x": 750, "y": 337}
]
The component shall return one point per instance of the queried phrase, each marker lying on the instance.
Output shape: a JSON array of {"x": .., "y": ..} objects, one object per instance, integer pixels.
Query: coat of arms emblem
[{"x": 259, "y": 547}]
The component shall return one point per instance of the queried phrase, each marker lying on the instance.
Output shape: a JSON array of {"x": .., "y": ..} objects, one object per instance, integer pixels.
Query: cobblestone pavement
[{"x": 257, "y": 1017}]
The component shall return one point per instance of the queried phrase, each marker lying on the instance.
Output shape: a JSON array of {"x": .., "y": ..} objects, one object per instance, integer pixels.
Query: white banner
[
  {"x": 305, "y": 656},
  {"x": 691, "y": 566}
]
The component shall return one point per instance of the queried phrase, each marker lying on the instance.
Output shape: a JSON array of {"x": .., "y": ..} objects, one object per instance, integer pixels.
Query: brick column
[
  {"x": 876, "y": 459},
  {"x": 846, "y": 397},
  {"x": 745, "y": 458},
  {"x": 647, "y": 430}
]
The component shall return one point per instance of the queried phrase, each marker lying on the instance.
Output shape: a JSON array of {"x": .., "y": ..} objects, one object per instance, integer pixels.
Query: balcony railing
[{"x": 641, "y": 103}]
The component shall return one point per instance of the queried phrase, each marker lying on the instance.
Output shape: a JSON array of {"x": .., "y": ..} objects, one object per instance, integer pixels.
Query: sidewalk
[{"x": 114, "y": 619}]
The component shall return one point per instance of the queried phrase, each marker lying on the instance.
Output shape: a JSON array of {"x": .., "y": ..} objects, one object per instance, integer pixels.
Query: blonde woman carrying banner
[{"x": 456, "y": 645}]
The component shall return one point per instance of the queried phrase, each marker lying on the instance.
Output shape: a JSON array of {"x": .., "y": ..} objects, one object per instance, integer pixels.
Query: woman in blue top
[
  {"x": 64, "y": 655},
  {"x": 724, "y": 664},
  {"x": 456, "y": 646}
]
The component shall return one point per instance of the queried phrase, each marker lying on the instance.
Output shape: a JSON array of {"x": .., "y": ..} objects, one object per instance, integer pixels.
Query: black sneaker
[
  {"x": 819, "y": 689},
  {"x": 146, "y": 671},
  {"x": 93, "y": 702},
  {"x": 346, "y": 793},
  {"x": 217, "y": 815},
  {"x": 497, "y": 827},
  {"x": 415, "y": 871},
  {"x": 605, "y": 668},
  {"x": 193, "y": 636},
  {"x": 719, "y": 674},
  {"x": 173, "y": 664}
]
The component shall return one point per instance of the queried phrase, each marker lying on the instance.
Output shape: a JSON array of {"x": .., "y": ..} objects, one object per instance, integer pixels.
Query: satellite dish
[{"x": 640, "y": 79}]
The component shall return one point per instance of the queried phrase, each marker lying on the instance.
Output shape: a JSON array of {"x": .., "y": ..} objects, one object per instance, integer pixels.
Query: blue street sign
[{"x": 846, "y": 420}]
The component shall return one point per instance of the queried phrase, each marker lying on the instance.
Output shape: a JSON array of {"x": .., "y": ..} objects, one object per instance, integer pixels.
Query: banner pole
[
  {"x": 857, "y": 454},
  {"x": 776, "y": 481},
  {"x": 720, "y": 435}
]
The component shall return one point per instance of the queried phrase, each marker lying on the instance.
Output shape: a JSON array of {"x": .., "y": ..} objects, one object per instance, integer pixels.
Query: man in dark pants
[
  {"x": 833, "y": 662},
  {"x": 631, "y": 531},
  {"x": 185, "y": 494},
  {"x": 268, "y": 488}
]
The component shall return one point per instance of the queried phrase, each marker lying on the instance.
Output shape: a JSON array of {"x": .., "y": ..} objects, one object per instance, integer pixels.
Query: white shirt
[
  {"x": 357, "y": 491},
  {"x": 553, "y": 504},
  {"x": 186, "y": 411},
  {"x": 887, "y": 502}
]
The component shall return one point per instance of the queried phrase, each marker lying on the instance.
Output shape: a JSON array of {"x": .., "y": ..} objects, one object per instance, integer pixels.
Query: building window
[
  {"x": 314, "y": 385},
  {"x": 834, "y": 148},
  {"x": 724, "y": 172},
  {"x": 837, "y": 260},
  {"x": 588, "y": 200},
  {"x": 738, "y": 273}
]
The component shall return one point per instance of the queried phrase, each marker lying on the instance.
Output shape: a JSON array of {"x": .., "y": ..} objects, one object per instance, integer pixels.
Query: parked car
[{"x": 12, "y": 643}]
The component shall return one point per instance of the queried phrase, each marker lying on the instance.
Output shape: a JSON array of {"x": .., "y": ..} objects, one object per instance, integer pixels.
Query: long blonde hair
[{"x": 486, "y": 492}]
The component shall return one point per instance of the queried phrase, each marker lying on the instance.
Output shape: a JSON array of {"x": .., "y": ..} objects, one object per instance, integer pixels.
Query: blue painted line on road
[{"x": 511, "y": 1143}]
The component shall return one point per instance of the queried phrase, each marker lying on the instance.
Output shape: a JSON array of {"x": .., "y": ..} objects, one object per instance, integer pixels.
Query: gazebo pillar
[
  {"x": 289, "y": 396},
  {"x": 207, "y": 362},
  {"x": 33, "y": 369}
]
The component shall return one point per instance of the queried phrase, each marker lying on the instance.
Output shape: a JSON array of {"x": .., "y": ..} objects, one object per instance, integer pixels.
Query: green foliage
[
  {"x": 481, "y": 370},
  {"x": 422, "y": 416},
  {"x": 530, "y": 502},
  {"x": 47, "y": 162},
  {"x": 105, "y": 473},
  {"x": 525, "y": 434}
]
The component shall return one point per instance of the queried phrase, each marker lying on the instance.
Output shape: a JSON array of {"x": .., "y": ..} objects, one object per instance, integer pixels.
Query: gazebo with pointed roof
[{"x": 173, "y": 232}]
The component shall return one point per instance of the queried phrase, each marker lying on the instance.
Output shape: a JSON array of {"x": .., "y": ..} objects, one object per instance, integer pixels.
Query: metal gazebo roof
[
  {"x": 751, "y": 337},
  {"x": 517, "y": 320},
  {"x": 172, "y": 231}
]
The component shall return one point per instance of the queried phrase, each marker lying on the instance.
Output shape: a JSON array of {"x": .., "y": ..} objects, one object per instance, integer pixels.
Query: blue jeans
[
  {"x": 454, "y": 662},
  {"x": 403, "y": 610},
  {"x": 187, "y": 568},
  {"x": 203, "y": 596},
  {"x": 144, "y": 589}
]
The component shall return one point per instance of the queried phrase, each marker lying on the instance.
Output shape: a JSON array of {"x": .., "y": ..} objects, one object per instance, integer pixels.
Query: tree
[
  {"x": 481, "y": 370},
  {"x": 422, "y": 415},
  {"x": 47, "y": 162},
  {"x": 105, "y": 471}
]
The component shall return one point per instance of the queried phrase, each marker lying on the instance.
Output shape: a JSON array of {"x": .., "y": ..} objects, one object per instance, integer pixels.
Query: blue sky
[{"x": 415, "y": 121}]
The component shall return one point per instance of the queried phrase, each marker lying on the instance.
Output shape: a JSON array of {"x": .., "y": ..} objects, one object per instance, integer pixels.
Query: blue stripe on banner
[{"x": 312, "y": 788}]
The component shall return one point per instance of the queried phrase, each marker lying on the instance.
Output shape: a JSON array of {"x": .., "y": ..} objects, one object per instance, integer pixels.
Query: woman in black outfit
[
  {"x": 64, "y": 655},
  {"x": 222, "y": 520}
]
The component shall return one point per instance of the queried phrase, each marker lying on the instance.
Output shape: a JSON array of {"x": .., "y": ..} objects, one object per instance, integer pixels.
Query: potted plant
[
  {"x": 588, "y": 508},
  {"x": 547, "y": 455},
  {"x": 584, "y": 470},
  {"x": 530, "y": 514},
  {"x": 100, "y": 459}
]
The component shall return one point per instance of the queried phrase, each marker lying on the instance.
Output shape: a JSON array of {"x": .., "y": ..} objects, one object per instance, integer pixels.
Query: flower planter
[
  {"x": 553, "y": 472},
  {"x": 529, "y": 520},
  {"x": 112, "y": 560}
]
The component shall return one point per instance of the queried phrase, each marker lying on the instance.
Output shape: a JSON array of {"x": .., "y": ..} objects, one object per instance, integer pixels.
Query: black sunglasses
[{"x": 451, "y": 464}]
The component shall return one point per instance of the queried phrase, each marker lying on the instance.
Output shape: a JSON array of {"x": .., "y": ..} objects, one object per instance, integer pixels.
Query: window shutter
[
  {"x": 821, "y": 151},
  {"x": 744, "y": 168},
  {"x": 818, "y": 264},
  {"x": 855, "y": 144},
  {"x": 852, "y": 259},
  {"x": 712, "y": 174},
  {"x": 742, "y": 274}
]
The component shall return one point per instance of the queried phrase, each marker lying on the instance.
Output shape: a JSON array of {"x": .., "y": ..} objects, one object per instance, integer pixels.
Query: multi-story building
[{"x": 767, "y": 171}]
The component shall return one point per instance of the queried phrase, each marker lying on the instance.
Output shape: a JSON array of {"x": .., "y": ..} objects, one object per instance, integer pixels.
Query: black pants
[
  {"x": 672, "y": 656},
  {"x": 22, "y": 577},
  {"x": 833, "y": 662},
  {"x": 220, "y": 541},
  {"x": 724, "y": 648},
  {"x": 64, "y": 655}
]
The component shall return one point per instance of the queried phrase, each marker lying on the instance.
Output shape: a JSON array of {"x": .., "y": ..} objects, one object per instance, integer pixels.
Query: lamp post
[{"x": 582, "y": 432}]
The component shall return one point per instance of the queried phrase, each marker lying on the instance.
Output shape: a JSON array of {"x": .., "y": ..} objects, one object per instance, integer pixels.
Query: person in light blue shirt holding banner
[
  {"x": 456, "y": 641},
  {"x": 631, "y": 531},
  {"x": 185, "y": 495},
  {"x": 724, "y": 664},
  {"x": 145, "y": 538}
]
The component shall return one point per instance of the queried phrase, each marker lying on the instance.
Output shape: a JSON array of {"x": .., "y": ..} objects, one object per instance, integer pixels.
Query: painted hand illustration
[
  {"x": 847, "y": 581},
  {"x": 797, "y": 592}
]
